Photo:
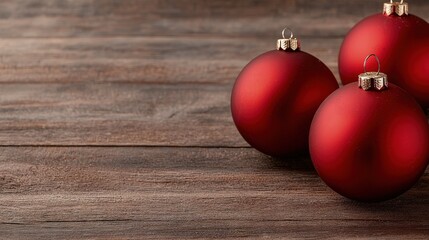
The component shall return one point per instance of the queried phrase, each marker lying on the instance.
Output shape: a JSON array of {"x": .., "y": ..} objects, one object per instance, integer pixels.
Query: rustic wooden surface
[{"x": 115, "y": 124}]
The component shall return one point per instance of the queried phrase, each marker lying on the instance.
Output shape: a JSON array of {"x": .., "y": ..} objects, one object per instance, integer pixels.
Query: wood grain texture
[
  {"x": 141, "y": 59},
  {"x": 117, "y": 114},
  {"x": 130, "y": 193},
  {"x": 89, "y": 18}
]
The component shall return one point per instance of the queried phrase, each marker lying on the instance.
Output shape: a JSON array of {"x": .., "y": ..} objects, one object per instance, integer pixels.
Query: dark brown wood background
[{"x": 115, "y": 124}]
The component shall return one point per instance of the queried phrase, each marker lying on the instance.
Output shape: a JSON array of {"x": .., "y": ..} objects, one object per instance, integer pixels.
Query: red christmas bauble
[
  {"x": 387, "y": 35},
  {"x": 275, "y": 97},
  {"x": 414, "y": 76},
  {"x": 369, "y": 145}
]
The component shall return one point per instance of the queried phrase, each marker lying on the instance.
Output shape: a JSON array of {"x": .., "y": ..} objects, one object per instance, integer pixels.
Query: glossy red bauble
[
  {"x": 275, "y": 97},
  {"x": 391, "y": 38},
  {"x": 414, "y": 72},
  {"x": 369, "y": 145}
]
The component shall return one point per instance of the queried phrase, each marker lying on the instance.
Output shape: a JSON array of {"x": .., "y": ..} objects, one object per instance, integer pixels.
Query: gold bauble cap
[
  {"x": 400, "y": 8},
  {"x": 372, "y": 80},
  {"x": 288, "y": 44}
]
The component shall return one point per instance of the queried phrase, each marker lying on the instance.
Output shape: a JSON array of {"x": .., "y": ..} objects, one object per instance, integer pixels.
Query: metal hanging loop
[
  {"x": 366, "y": 59},
  {"x": 283, "y": 32}
]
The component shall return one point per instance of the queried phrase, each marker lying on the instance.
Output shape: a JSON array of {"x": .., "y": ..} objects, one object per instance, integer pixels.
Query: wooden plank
[
  {"x": 117, "y": 114},
  {"x": 78, "y": 18},
  {"x": 130, "y": 193},
  {"x": 218, "y": 229},
  {"x": 141, "y": 59}
]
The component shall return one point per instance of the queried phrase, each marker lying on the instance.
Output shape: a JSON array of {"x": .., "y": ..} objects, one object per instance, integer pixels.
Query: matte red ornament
[
  {"x": 391, "y": 36},
  {"x": 414, "y": 75},
  {"x": 370, "y": 143},
  {"x": 275, "y": 97}
]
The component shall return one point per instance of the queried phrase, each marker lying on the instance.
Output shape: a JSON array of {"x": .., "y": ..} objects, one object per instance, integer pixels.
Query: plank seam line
[
  {"x": 119, "y": 146},
  {"x": 241, "y": 220},
  {"x": 180, "y": 36}
]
